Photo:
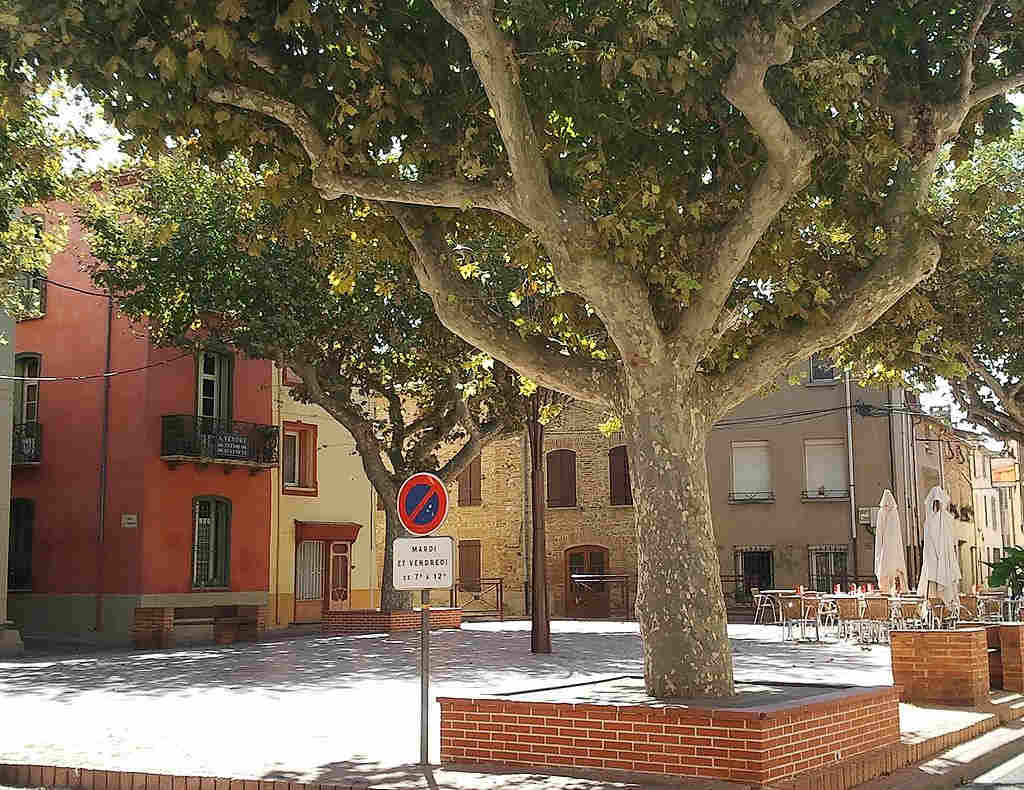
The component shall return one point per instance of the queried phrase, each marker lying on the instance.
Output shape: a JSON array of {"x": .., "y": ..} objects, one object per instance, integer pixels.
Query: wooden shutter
[
  {"x": 225, "y": 380},
  {"x": 469, "y": 565},
  {"x": 469, "y": 484},
  {"x": 561, "y": 478},
  {"x": 618, "y": 476}
]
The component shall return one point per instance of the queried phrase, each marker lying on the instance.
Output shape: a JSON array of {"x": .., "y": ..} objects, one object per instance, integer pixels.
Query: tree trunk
[
  {"x": 679, "y": 592},
  {"x": 392, "y": 600},
  {"x": 540, "y": 627}
]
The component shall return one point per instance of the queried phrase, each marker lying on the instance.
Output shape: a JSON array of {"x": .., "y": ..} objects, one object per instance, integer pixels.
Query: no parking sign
[{"x": 422, "y": 503}]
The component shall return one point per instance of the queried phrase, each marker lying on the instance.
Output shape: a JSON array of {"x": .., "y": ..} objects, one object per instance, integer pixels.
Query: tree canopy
[
  {"x": 965, "y": 322},
  {"x": 196, "y": 253},
  {"x": 722, "y": 186}
]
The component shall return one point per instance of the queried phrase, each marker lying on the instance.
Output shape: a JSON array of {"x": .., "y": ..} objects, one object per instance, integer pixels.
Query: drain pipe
[
  {"x": 104, "y": 452},
  {"x": 849, "y": 455},
  {"x": 525, "y": 530}
]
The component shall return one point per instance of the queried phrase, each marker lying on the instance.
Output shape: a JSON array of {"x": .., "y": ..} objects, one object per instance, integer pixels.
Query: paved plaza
[{"x": 336, "y": 709}]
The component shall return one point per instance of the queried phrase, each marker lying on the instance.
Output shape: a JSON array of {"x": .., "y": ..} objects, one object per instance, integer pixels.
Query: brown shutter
[
  {"x": 475, "y": 480},
  {"x": 562, "y": 478},
  {"x": 469, "y": 565},
  {"x": 618, "y": 476}
]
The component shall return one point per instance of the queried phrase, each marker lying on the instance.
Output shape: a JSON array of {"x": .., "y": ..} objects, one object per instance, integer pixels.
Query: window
[
  {"x": 996, "y": 555},
  {"x": 469, "y": 484},
  {"x": 32, "y": 295},
  {"x": 213, "y": 385},
  {"x": 751, "y": 472},
  {"x": 618, "y": 476},
  {"x": 309, "y": 571},
  {"x": 822, "y": 370},
  {"x": 825, "y": 469},
  {"x": 1006, "y": 515},
  {"x": 19, "y": 567},
  {"x": 26, "y": 390},
  {"x": 469, "y": 565},
  {"x": 561, "y": 478},
  {"x": 211, "y": 542},
  {"x": 827, "y": 567},
  {"x": 298, "y": 459}
]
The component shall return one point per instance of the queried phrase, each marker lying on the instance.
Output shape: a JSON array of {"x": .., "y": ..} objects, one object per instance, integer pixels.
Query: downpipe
[{"x": 853, "y": 484}]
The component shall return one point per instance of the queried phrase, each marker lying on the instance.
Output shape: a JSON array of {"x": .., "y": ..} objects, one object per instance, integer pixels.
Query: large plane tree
[{"x": 724, "y": 185}]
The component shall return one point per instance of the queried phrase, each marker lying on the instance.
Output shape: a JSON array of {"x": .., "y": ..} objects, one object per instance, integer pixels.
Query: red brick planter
[
  {"x": 368, "y": 621},
  {"x": 756, "y": 744}
]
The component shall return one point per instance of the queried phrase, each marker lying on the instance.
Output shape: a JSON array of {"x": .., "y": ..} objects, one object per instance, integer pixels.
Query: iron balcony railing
[
  {"x": 826, "y": 493},
  {"x": 27, "y": 443},
  {"x": 185, "y": 436}
]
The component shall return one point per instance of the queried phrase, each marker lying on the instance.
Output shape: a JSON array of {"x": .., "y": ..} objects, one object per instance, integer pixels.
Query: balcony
[
  {"x": 205, "y": 440},
  {"x": 27, "y": 444}
]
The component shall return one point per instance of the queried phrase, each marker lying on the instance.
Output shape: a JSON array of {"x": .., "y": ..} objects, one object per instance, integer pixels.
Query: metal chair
[
  {"x": 849, "y": 617},
  {"x": 763, "y": 604},
  {"x": 905, "y": 613},
  {"x": 877, "y": 614}
]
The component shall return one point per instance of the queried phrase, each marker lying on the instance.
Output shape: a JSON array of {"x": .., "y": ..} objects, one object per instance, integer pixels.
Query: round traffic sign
[{"x": 422, "y": 503}]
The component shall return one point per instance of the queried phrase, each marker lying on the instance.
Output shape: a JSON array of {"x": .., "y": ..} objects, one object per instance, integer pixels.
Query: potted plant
[{"x": 1008, "y": 571}]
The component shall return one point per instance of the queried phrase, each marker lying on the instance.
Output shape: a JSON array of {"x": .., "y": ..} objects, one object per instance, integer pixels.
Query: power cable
[
  {"x": 67, "y": 287},
  {"x": 93, "y": 376}
]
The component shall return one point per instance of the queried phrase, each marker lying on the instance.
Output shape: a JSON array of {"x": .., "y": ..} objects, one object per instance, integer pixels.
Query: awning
[{"x": 326, "y": 530}]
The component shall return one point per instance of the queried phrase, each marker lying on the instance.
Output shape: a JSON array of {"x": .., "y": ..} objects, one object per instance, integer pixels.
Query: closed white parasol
[
  {"x": 938, "y": 563},
  {"x": 890, "y": 559}
]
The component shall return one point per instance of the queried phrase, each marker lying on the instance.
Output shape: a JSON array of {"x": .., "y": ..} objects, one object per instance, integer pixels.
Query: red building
[{"x": 173, "y": 450}]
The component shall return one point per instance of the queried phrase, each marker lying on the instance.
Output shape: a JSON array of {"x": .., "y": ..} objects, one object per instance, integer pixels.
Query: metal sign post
[{"x": 423, "y": 564}]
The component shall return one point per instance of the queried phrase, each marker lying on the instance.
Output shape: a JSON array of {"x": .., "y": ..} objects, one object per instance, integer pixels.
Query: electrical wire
[
  {"x": 94, "y": 376},
  {"x": 67, "y": 287}
]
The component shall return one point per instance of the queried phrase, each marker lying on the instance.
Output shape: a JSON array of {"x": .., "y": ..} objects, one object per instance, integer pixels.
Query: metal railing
[
  {"x": 481, "y": 597},
  {"x": 617, "y": 589},
  {"x": 27, "y": 443},
  {"x": 826, "y": 493},
  {"x": 188, "y": 436}
]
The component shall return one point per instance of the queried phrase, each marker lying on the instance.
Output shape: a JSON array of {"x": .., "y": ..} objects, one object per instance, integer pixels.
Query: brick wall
[
  {"x": 1011, "y": 645},
  {"x": 941, "y": 667},
  {"x": 153, "y": 628},
  {"x": 362, "y": 621},
  {"x": 756, "y": 746}
]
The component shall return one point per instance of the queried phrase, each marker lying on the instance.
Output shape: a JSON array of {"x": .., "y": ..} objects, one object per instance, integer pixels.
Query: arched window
[
  {"x": 561, "y": 478},
  {"x": 618, "y": 476},
  {"x": 211, "y": 542}
]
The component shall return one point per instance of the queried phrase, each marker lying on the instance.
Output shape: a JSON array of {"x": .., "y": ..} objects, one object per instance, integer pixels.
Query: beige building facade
[
  {"x": 788, "y": 506},
  {"x": 323, "y": 519}
]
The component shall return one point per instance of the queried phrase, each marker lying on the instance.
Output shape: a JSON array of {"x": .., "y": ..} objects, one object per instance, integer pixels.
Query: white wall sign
[
  {"x": 129, "y": 520},
  {"x": 423, "y": 563}
]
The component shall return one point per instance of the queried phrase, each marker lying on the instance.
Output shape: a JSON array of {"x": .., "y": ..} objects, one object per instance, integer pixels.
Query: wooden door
[
  {"x": 339, "y": 577},
  {"x": 585, "y": 595},
  {"x": 309, "y": 581}
]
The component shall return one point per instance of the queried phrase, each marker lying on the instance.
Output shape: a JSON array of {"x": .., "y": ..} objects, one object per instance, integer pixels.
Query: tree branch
[
  {"x": 967, "y": 68},
  {"x": 455, "y": 466},
  {"x": 867, "y": 297},
  {"x": 495, "y": 63},
  {"x": 997, "y": 88},
  {"x": 445, "y": 193},
  {"x": 787, "y": 170},
  {"x": 811, "y": 12},
  {"x": 999, "y": 424},
  {"x": 459, "y": 308}
]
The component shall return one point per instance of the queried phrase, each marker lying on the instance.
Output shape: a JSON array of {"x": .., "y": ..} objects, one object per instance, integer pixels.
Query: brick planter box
[
  {"x": 368, "y": 621},
  {"x": 958, "y": 668},
  {"x": 758, "y": 744}
]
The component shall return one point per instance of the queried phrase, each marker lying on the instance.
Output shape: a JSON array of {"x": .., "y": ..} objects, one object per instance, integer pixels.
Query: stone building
[{"x": 787, "y": 507}]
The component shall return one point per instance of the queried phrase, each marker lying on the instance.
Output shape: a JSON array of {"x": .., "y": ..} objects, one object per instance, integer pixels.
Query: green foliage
[
  {"x": 199, "y": 252},
  {"x": 1009, "y": 570},
  {"x": 971, "y": 305},
  {"x": 31, "y": 173},
  {"x": 626, "y": 97}
]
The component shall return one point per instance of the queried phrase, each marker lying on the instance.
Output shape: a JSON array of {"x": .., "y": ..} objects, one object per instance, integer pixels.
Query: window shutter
[
  {"x": 469, "y": 565},
  {"x": 826, "y": 466},
  {"x": 751, "y": 470},
  {"x": 470, "y": 485},
  {"x": 618, "y": 476},
  {"x": 561, "y": 478},
  {"x": 226, "y": 376}
]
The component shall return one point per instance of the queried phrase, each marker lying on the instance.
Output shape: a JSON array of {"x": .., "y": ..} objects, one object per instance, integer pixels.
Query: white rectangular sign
[{"x": 423, "y": 563}]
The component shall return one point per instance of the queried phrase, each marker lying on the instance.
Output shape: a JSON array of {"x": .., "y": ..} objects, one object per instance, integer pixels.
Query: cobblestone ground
[{"x": 333, "y": 709}]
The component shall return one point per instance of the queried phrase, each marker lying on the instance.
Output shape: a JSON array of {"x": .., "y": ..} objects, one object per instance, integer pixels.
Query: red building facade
[{"x": 175, "y": 455}]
